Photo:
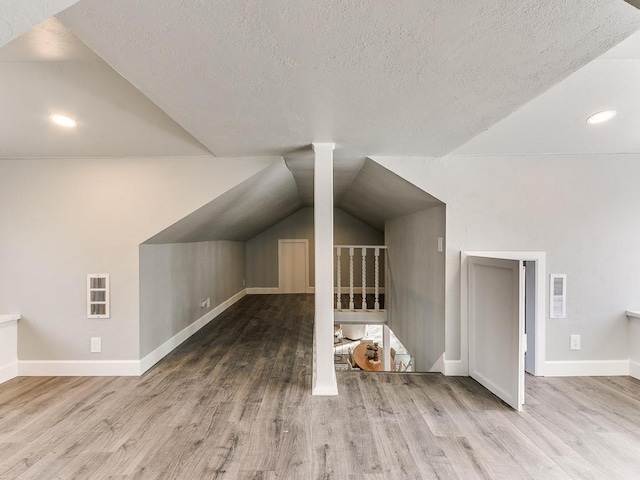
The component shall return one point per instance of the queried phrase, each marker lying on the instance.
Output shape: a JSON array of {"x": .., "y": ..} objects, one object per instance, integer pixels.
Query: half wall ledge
[{"x": 11, "y": 317}]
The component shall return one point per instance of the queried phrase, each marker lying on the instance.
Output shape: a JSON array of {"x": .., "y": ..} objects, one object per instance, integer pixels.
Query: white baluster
[
  {"x": 351, "y": 307},
  {"x": 338, "y": 278},
  {"x": 364, "y": 279},
  {"x": 377, "y": 279}
]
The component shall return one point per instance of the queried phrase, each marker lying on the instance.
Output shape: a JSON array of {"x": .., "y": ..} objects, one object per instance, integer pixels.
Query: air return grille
[
  {"x": 558, "y": 296},
  {"x": 98, "y": 295}
]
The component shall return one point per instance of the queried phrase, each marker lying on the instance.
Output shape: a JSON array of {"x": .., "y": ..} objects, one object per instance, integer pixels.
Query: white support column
[
  {"x": 386, "y": 348},
  {"x": 324, "y": 375}
]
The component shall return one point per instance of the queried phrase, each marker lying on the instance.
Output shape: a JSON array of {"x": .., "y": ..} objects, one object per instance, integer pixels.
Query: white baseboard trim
[
  {"x": 78, "y": 368},
  {"x": 115, "y": 368},
  {"x": 262, "y": 290},
  {"x": 586, "y": 368},
  {"x": 159, "y": 353},
  {"x": 8, "y": 371},
  {"x": 454, "y": 368},
  {"x": 325, "y": 391}
]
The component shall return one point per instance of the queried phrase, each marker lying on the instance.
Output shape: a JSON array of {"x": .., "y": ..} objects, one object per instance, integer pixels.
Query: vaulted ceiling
[
  {"x": 385, "y": 77},
  {"x": 245, "y": 77}
]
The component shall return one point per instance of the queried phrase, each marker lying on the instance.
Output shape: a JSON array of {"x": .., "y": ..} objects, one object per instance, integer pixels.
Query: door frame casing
[
  {"x": 540, "y": 299},
  {"x": 304, "y": 241}
]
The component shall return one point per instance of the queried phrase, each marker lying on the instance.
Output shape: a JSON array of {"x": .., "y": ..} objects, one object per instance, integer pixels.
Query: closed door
[
  {"x": 496, "y": 327},
  {"x": 293, "y": 266}
]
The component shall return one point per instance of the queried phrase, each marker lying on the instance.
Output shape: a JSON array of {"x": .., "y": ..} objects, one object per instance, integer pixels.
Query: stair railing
[{"x": 351, "y": 250}]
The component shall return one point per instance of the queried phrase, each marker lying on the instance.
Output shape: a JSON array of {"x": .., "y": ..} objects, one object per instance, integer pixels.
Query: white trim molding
[
  {"x": 455, "y": 368},
  {"x": 587, "y": 368},
  {"x": 12, "y": 317},
  {"x": 163, "y": 350},
  {"x": 263, "y": 290},
  {"x": 8, "y": 371},
  {"x": 119, "y": 368},
  {"x": 634, "y": 369},
  {"x": 78, "y": 368}
]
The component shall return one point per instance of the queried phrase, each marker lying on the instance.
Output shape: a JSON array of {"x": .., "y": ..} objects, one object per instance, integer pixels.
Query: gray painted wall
[
  {"x": 174, "y": 278},
  {"x": 262, "y": 250},
  {"x": 580, "y": 209},
  {"x": 61, "y": 219},
  {"x": 417, "y": 277}
]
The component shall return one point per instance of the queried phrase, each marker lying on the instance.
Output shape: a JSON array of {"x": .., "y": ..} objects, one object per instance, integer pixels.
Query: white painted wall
[
  {"x": 175, "y": 277},
  {"x": 582, "y": 210},
  {"x": 262, "y": 250},
  {"x": 416, "y": 298},
  {"x": 61, "y": 219}
]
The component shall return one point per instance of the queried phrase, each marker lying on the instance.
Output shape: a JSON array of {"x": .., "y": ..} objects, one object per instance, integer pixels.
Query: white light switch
[{"x": 96, "y": 344}]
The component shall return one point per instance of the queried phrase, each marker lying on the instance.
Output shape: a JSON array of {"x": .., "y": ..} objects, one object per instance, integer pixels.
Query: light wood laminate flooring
[{"x": 234, "y": 402}]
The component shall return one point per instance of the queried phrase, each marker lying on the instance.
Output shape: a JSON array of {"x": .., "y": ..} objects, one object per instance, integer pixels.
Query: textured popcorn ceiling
[
  {"x": 18, "y": 16},
  {"x": 239, "y": 77},
  {"x": 378, "y": 77},
  {"x": 555, "y": 122}
]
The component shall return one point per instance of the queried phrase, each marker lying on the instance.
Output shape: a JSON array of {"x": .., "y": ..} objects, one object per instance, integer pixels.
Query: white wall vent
[
  {"x": 98, "y": 295},
  {"x": 558, "y": 296}
]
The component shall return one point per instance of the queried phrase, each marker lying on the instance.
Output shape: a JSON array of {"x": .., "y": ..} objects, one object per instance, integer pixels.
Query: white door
[
  {"x": 293, "y": 266},
  {"x": 496, "y": 326}
]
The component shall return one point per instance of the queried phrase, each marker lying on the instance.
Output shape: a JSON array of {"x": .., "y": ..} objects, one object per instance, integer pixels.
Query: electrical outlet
[
  {"x": 440, "y": 244},
  {"x": 203, "y": 303},
  {"x": 208, "y": 302},
  {"x": 96, "y": 344},
  {"x": 575, "y": 342}
]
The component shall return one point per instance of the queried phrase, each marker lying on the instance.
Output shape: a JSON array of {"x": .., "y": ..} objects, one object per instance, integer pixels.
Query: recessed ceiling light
[
  {"x": 601, "y": 117},
  {"x": 63, "y": 120}
]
